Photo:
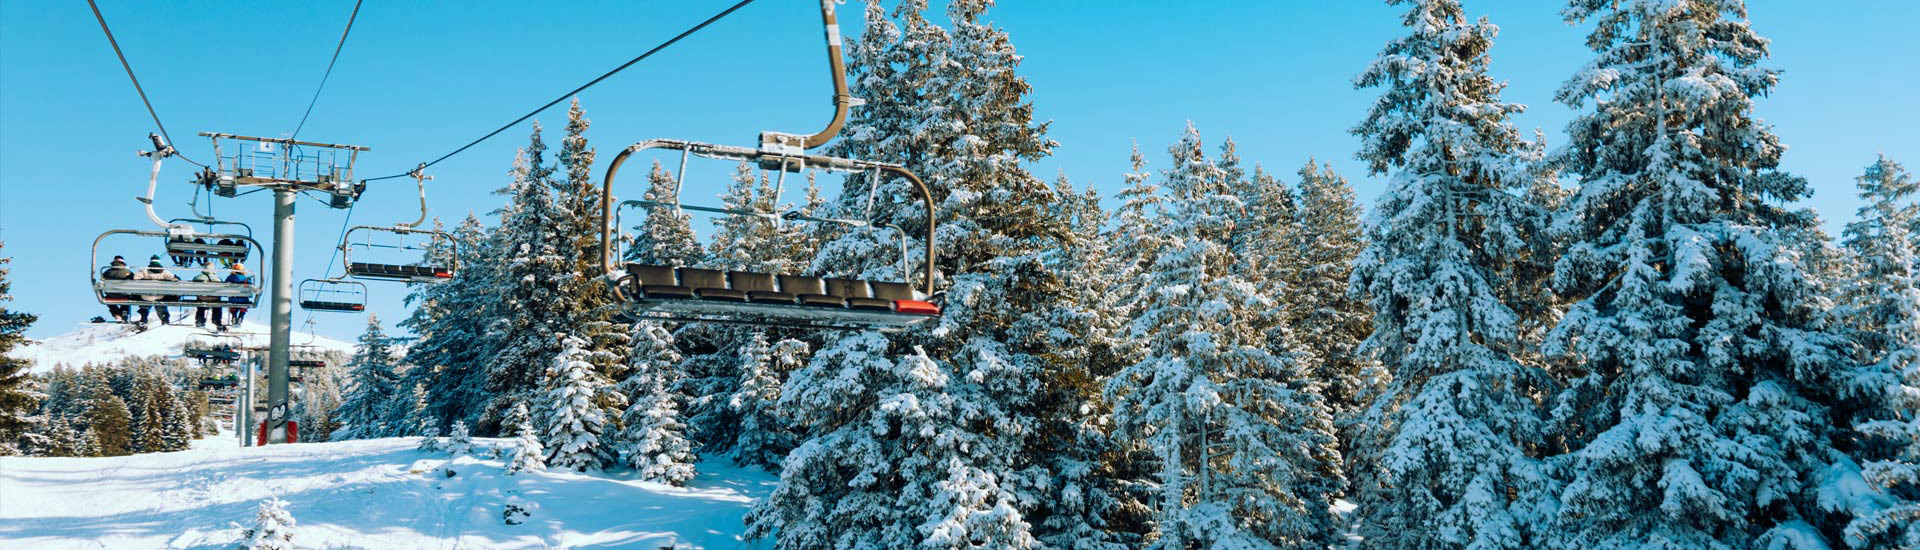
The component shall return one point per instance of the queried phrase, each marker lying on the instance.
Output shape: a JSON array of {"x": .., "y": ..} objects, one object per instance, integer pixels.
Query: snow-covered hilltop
[
  {"x": 376, "y": 493},
  {"x": 105, "y": 343}
]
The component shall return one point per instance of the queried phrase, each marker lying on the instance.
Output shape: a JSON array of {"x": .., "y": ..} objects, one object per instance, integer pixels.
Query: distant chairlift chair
[{"x": 333, "y": 295}]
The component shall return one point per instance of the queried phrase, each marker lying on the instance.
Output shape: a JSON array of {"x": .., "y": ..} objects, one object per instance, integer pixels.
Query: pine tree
[
  {"x": 592, "y": 307},
  {"x": 1331, "y": 322},
  {"x": 1707, "y": 383},
  {"x": 374, "y": 393},
  {"x": 453, "y": 322},
  {"x": 1452, "y": 448},
  {"x": 574, "y": 423},
  {"x": 654, "y": 431},
  {"x": 18, "y": 393},
  {"x": 272, "y": 529},
  {"x": 178, "y": 434},
  {"x": 764, "y": 437},
  {"x": 665, "y": 236},
  {"x": 427, "y": 429},
  {"x": 110, "y": 422},
  {"x": 538, "y": 272},
  {"x": 1245, "y": 446},
  {"x": 1883, "y": 305},
  {"x": 88, "y": 446},
  {"x": 528, "y": 455},
  {"x": 460, "y": 441}
]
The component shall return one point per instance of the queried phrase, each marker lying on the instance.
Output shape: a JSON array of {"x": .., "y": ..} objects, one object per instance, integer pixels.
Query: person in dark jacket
[
  {"x": 117, "y": 271},
  {"x": 156, "y": 272},
  {"x": 239, "y": 276}
]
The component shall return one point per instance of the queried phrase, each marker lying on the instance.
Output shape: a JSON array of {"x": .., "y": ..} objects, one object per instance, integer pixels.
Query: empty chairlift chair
[
  {"x": 777, "y": 299},
  {"x": 361, "y": 266},
  {"x": 333, "y": 295}
]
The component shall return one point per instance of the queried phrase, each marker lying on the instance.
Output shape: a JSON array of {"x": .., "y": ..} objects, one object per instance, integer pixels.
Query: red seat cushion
[{"x": 916, "y": 306}]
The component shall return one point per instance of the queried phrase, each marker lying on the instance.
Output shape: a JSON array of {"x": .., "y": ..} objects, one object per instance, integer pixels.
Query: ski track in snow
[{"x": 369, "y": 494}]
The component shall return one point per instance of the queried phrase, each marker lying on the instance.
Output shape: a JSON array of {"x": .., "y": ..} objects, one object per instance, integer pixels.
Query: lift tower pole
[
  {"x": 288, "y": 167},
  {"x": 280, "y": 326}
]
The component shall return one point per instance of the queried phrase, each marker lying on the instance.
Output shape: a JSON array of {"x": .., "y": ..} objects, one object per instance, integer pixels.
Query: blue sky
[{"x": 420, "y": 78}]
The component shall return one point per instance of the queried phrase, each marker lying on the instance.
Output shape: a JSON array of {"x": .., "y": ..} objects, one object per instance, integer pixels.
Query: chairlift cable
[
  {"x": 136, "y": 82},
  {"x": 571, "y": 93},
  {"x": 329, "y": 73}
]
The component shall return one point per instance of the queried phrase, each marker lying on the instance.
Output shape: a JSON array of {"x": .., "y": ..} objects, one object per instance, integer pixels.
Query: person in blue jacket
[{"x": 238, "y": 276}]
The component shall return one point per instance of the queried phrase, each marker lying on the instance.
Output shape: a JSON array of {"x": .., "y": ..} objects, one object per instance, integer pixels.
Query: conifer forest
[{"x": 1634, "y": 335}]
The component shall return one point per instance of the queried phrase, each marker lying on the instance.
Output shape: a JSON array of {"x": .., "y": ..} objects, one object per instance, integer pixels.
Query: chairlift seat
[
  {"x": 759, "y": 287},
  {"x": 306, "y": 363},
  {"x": 657, "y": 281},
  {"x": 202, "y": 248},
  {"x": 318, "y": 305},
  {"x": 425, "y": 274},
  {"x": 810, "y": 291},
  {"x": 710, "y": 284},
  {"x": 746, "y": 297},
  {"x": 213, "y": 354},
  {"x": 858, "y": 296}
]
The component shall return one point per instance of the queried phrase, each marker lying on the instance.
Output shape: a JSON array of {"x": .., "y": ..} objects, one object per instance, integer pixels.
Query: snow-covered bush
[{"x": 273, "y": 528}]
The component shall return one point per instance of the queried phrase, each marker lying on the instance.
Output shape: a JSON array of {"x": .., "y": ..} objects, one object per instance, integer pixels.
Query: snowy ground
[
  {"x": 370, "y": 494},
  {"x": 106, "y": 342}
]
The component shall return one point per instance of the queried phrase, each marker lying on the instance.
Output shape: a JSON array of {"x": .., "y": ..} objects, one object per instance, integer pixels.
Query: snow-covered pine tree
[
  {"x": 272, "y": 527},
  {"x": 18, "y": 393},
  {"x": 1450, "y": 454},
  {"x": 539, "y": 272},
  {"x": 149, "y": 403},
  {"x": 1246, "y": 450},
  {"x": 1703, "y": 403},
  {"x": 664, "y": 236},
  {"x": 427, "y": 428},
  {"x": 654, "y": 431},
  {"x": 1883, "y": 306},
  {"x": 88, "y": 446},
  {"x": 980, "y": 433},
  {"x": 1328, "y": 321},
  {"x": 711, "y": 374},
  {"x": 374, "y": 392},
  {"x": 764, "y": 436},
  {"x": 1099, "y": 502},
  {"x": 460, "y": 440},
  {"x": 592, "y": 303},
  {"x": 178, "y": 433},
  {"x": 452, "y": 322},
  {"x": 575, "y": 425},
  {"x": 108, "y": 419},
  {"x": 528, "y": 455}
]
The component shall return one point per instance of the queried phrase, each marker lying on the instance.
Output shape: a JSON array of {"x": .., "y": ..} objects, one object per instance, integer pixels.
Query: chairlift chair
[
  {"x": 333, "y": 295},
  {"x": 684, "y": 293},
  {"x": 425, "y": 270},
  {"x": 186, "y": 249},
  {"x": 305, "y": 356},
  {"x": 417, "y": 272},
  {"x": 213, "y": 348},
  {"x": 184, "y": 292}
]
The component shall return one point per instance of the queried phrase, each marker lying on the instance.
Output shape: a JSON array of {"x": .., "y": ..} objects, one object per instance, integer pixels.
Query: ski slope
[
  {"x": 103, "y": 343},
  {"x": 369, "y": 494}
]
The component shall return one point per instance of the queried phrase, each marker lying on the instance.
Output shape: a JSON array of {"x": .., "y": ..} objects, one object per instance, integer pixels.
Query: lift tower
[{"x": 287, "y": 167}]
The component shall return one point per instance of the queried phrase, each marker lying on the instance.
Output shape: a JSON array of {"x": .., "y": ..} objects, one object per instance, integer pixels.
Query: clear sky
[{"x": 420, "y": 78}]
